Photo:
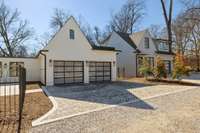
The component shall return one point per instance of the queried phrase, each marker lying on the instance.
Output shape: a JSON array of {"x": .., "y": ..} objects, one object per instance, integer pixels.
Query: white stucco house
[
  {"x": 134, "y": 47},
  {"x": 68, "y": 58}
]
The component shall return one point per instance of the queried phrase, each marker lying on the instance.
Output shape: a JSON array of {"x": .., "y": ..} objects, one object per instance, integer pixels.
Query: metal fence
[{"x": 12, "y": 94}]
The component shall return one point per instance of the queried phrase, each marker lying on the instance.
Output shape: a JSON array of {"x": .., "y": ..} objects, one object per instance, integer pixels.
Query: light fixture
[
  {"x": 5, "y": 65},
  {"x": 114, "y": 63},
  {"x": 50, "y": 62}
]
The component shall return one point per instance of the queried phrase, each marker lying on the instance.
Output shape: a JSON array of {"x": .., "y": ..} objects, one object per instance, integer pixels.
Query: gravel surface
[{"x": 178, "y": 112}]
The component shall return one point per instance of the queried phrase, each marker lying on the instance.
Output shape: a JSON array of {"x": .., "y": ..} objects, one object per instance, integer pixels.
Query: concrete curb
[
  {"x": 110, "y": 106},
  {"x": 55, "y": 106}
]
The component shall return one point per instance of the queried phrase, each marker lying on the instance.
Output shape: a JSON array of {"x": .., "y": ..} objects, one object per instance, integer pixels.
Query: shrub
[
  {"x": 179, "y": 67},
  {"x": 160, "y": 70},
  {"x": 145, "y": 69}
]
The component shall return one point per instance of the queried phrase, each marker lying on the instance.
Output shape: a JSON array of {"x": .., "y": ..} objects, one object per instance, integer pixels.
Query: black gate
[{"x": 12, "y": 94}]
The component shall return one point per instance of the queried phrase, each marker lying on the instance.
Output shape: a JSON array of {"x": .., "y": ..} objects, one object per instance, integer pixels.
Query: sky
[{"x": 94, "y": 12}]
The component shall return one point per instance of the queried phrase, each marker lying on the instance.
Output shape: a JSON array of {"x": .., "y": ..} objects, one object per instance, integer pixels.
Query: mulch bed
[
  {"x": 178, "y": 82},
  {"x": 35, "y": 105}
]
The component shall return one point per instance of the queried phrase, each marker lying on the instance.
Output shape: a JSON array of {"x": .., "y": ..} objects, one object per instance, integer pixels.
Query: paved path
[
  {"x": 170, "y": 112},
  {"x": 193, "y": 78}
]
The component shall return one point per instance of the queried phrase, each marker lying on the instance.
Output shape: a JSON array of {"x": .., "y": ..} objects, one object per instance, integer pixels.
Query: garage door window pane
[
  {"x": 69, "y": 69},
  {"x": 59, "y": 80},
  {"x": 100, "y": 74},
  {"x": 69, "y": 63},
  {"x": 69, "y": 80},
  {"x": 78, "y": 69},
  {"x": 107, "y": 78},
  {"x": 58, "y": 63},
  {"x": 78, "y": 74},
  {"x": 107, "y": 68},
  {"x": 99, "y": 68}
]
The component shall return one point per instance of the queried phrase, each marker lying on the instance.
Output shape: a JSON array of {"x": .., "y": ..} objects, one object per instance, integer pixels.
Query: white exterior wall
[
  {"x": 62, "y": 48},
  {"x": 126, "y": 58},
  {"x": 31, "y": 65}
]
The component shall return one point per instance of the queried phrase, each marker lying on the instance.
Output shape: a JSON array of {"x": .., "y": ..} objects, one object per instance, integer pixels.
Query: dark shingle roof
[{"x": 127, "y": 38}]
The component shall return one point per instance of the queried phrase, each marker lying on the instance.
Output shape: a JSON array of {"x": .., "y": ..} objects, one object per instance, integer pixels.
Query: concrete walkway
[
  {"x": 193, "y": 78},
  {"x": 79, "y": 100}
]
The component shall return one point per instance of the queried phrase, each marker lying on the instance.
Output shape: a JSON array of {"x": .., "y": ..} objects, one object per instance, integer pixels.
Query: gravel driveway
[{"x": 158, "y": 108}]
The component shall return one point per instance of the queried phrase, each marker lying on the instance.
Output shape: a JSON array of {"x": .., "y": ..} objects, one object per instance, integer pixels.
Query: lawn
[{"x": 35, "y": 105}]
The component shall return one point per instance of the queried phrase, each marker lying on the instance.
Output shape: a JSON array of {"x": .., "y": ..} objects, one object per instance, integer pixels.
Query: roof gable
[
  {"x": 126, "y": 37},
  {"x": 71, "y": 23}
]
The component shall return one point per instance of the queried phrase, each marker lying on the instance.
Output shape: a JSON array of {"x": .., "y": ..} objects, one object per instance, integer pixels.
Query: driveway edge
[{"x": 55, "y": 106}]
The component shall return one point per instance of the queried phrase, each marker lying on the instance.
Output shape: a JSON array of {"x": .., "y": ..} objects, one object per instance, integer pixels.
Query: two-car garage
[{"x": 71, "y": 72}]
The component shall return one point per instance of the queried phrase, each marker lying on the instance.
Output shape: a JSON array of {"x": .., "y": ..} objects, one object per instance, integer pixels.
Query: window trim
[{"x": 71, "y": 34}]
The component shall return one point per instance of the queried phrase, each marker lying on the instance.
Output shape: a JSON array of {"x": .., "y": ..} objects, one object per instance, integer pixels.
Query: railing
[{"x": 12, "y": 94}]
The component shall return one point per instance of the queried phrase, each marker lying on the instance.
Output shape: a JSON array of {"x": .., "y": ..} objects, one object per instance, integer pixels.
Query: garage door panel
[
  {"x": 67, "y": 72},
  {"x": 99, "y": 71}
]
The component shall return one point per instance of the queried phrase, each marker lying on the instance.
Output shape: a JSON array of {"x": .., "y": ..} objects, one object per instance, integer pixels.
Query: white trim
[
  {"x": 55, "y": 106},
  {"x": 109, "y": 106}
]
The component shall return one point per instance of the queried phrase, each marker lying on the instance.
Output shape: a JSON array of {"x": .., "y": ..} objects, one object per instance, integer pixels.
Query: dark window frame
[
  {"x": 17, "y": 68},
  {"x": 71, "y": 34}
]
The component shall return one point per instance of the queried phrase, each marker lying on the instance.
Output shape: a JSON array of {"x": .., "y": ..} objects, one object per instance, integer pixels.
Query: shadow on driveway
[{"x": 104, "y": 93}]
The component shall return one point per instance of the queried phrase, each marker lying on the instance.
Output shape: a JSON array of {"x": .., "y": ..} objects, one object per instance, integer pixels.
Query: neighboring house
[
  {"x": 133, "y": 48},
  {"x": 68, "y": 58}
]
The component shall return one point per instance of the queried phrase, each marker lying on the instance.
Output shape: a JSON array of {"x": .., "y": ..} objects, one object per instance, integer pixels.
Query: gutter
[{"x": 45, "y": 65}]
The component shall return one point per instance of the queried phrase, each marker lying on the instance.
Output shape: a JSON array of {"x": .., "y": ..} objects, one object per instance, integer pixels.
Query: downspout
[{"x": 45, "y": 68}]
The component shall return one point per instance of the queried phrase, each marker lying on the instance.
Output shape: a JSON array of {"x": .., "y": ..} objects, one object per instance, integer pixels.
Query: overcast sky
[{"x": 94, "y": 12}]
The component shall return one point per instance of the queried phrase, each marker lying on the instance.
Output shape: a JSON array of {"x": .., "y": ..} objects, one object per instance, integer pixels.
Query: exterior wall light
[
  {"x": 5, "y": 65},
  {"x": 50, "y": 62},
  {"x": 87, "y": 63},
  {"x": 114, "y": 63}
]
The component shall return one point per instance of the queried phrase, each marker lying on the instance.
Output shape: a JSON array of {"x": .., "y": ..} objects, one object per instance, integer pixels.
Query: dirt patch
[
  {"x": 35, "y": 105},
  {"x": 32, "y": 86}
]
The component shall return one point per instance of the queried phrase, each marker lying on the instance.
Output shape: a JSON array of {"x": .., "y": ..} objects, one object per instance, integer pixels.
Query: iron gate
[{"x": 12, "y": 94}]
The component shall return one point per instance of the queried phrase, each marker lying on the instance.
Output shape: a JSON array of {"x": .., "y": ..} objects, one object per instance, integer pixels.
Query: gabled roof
[
  {"x": 93, "y": 46},
  {"x": 126, "y": 37},
  {"x": 137, "y": 36}
]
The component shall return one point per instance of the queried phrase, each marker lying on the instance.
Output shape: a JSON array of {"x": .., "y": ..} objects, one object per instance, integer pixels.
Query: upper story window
[
  {"x": 146, "y": 42},
  {"x": 71, "y": 34},
  {"x": 163, "y": 47},
  {"x": 14, "y": 68}
]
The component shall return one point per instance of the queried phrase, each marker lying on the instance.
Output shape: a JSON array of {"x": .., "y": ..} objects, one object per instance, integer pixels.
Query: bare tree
[
  {"x": 13, "y": 31},
  {"x": 130, "y": 14},
  {"x": 155, "y": 30},
  {"x": 168, "y": 21},
  {"x": 58, "y": 19}
]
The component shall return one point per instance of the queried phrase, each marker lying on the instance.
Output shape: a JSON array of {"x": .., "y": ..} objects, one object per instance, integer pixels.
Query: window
[
  {"x": 146, "y": 42},
  {"x": 71, "y": 34},
  {"x": 163, "y": 47},
  {"x": 1, "y": 69},
  {"x": 14, "y": 68}
]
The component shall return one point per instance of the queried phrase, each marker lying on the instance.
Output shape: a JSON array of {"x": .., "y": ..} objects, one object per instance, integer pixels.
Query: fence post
[{"x": 22, "y": 89}]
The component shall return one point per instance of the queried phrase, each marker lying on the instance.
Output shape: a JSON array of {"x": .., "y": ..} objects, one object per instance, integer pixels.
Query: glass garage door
[
  {"x": 68, "y": 72},
  {"x": 99, "y": 71}
]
